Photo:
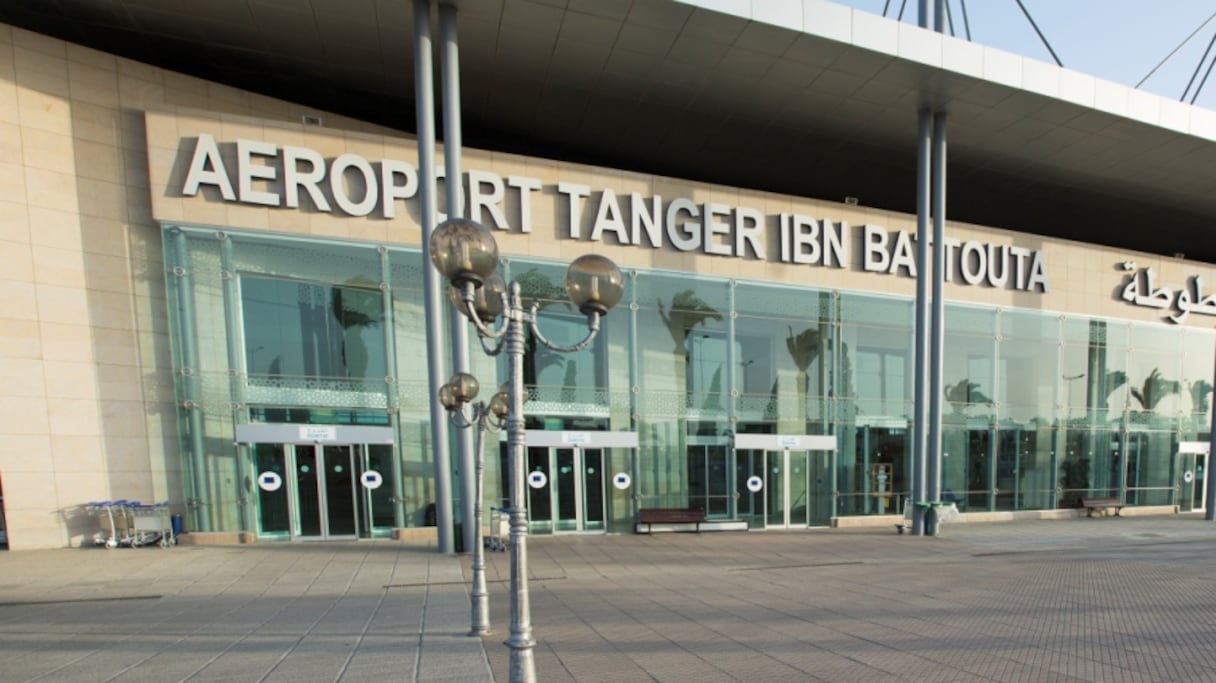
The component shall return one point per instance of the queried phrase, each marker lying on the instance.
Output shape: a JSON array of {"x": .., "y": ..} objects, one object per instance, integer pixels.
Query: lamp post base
[
  {"x": 481, "y": 614},
  {"x": 523, "y": 669}
]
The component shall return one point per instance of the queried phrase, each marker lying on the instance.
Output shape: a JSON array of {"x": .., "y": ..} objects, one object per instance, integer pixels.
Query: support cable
[
  {"x": 1205, "y": 77},
  {"x": 886, "y": 6},
  {"x": 1175, "y": 51},
  {"x": 949, "y": 18},
  {"x": 1198, "y": 66},
  {"x": 966, "y": 23},
  {"x": 902, "y": 5},
  {"x": 1041, "y": 36}
]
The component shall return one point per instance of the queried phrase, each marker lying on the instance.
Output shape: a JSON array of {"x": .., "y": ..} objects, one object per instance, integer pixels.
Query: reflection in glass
[
  {"x": 800, "y": 500},
  {"x": 875, "y": 481},
  {"x": 1151, "y": 467},
  {"x": 540, "y": 509},
  {"x": 564, "y": 490},
  {"x": 339, "y": 491},
  {"x": 1023, "y": 469},
  {"x": 708, "y": 483},
  {"x": 681, "y": 316},
  {"x": 774, "y": 489},
  {"x": 273, "y": 515},
  {"x": 378, "y": 510},
  {"x": 313, "y": 330},
  {"x": 571, "y": 378},
  {"x": 750, "y": 505},
  {"x": 593, "y": 490},
  {"x": 1041, "y": 408},
  {"x": 307, "y": 491}
]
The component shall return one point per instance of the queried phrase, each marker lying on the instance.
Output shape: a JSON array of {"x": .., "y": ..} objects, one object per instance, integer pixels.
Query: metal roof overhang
[{"x": 805, "y": 98}]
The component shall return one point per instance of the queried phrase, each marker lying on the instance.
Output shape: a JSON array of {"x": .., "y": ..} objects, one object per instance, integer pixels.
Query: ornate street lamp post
[
  {"x": 466, "y": 254},
  {"x": 462, "y": 388}
]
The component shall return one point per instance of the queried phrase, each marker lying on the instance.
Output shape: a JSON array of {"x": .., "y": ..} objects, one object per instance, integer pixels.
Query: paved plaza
[{"x": 1110, "y": 599}]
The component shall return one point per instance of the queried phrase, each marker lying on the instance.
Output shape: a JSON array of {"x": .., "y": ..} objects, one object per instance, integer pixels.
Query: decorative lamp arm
[
  {"x": 593, "y": 327},
  {"x": 467, "y": 298},
  {"x": 461, "y": 420},
  {"x": 492, "y": 350}
]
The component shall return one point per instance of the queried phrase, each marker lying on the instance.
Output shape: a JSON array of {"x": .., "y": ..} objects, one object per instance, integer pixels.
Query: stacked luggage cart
[
  {"x": 131, "y": 524},
  {"x": 500, "y": 529}
]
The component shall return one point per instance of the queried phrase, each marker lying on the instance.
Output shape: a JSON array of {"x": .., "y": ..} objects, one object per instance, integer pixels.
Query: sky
[{"x": 1117, "y": 40}]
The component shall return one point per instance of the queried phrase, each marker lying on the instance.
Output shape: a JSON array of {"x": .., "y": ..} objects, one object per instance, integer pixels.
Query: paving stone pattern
[
  {"x": 1116, "y": 599},
  {"x": 1113, "y": 599},
  {"x": 292, "y": 613}
]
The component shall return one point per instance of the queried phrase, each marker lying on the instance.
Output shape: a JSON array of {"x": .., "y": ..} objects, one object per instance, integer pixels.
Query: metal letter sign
[
  {"x": 722, "y": 229},
  {"x": 1138, "y": 290}
]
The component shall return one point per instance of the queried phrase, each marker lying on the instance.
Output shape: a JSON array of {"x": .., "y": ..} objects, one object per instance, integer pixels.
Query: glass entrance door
[
  {"x": 709, "y": 478},
  {"x": 787, "y": 489},
  {"x": 314, "y": 492},
  {"x": 775, "y": 497},
  {"x": 325, "y": 489},
  {"x": 818, "y": 488},
  {"x": 569, "y": 497},
  {"x": 1199, "y": 495},
  {"x": 376, "y": 501},
  {"x": 1193, "y": 483},
  {"x": 795, "y": 492}
]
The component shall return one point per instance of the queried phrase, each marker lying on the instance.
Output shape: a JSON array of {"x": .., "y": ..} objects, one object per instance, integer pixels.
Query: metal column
[
  {"x": 238, "y": 375},
  {"x": 937, "y": 340},
  {"x": 392, "y": 403},
  {"x": 191, "y": 394},
  {"x": 923, "y": 272},
  {"x": 449, "y": 77},
  {"x": 1209, "y": 500},
  {"x": 635, "y": 410},
  {"x": 732, "y": 397},
  {"x": 432, "y": 284}
]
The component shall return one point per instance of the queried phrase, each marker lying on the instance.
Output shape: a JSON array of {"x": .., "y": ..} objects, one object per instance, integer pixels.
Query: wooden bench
[
  {"x": 652, "y": 516},
  {"x": 1102, "y": 504}
]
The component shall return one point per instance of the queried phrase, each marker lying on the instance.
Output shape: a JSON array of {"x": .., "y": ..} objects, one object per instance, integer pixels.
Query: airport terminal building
[{"x": 213, "y": 281}]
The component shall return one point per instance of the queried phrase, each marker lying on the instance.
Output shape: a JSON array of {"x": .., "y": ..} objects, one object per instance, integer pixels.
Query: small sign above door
[{"x": 315, "y": 433}]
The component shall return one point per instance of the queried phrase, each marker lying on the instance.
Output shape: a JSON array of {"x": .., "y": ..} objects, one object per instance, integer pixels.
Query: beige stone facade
[
  {"x": 86, "y": 387},
  {"x": 93, "y": 152}
]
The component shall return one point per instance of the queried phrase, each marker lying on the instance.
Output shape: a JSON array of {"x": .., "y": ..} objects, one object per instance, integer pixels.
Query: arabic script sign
[{"x": 1139, "y": 291}]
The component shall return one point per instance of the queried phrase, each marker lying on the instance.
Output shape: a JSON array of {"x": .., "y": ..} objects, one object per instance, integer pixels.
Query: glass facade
[{"x": 1040, "y": 409}]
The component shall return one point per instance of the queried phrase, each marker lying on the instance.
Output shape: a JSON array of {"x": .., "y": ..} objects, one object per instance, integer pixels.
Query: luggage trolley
[
  {"x": 108, "y": 533},
  {"x": 500, "y": 529},
  {"x": 131, "y": 523},
  {"x": 150, "y": 524}
]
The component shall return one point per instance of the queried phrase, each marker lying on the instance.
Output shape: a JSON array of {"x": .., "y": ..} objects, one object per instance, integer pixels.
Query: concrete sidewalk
[
  {"x": 367, "y": 611},
  {"x": 1103, "y": 599},
  {"x": 1070, "y": 600}
]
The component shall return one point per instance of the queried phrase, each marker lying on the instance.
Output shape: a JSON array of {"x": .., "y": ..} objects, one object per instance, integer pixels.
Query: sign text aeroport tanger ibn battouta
[{"x": 266, "y": 174}]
